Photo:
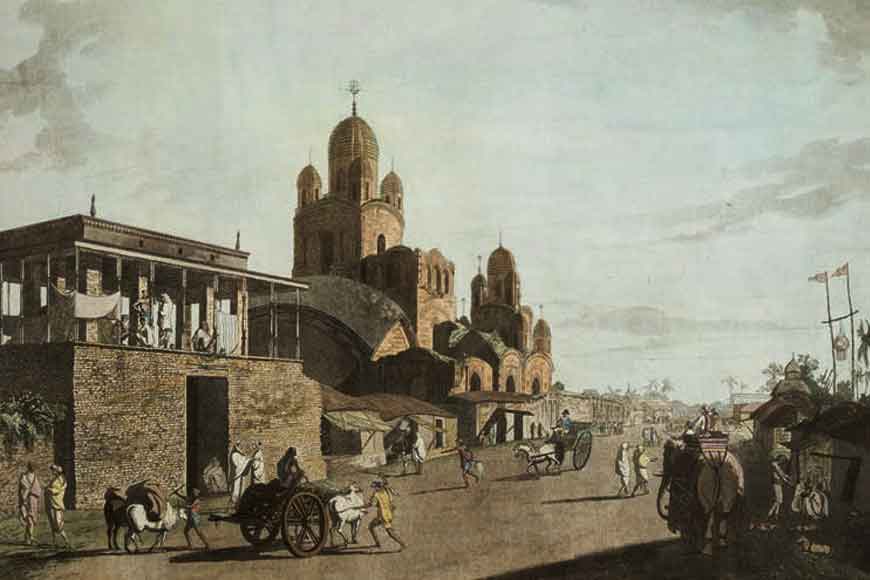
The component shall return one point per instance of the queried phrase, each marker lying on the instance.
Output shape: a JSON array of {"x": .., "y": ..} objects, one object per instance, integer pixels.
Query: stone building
[
  {"x": 100, "y": 317},
  {"x": 353, "y": 229}
]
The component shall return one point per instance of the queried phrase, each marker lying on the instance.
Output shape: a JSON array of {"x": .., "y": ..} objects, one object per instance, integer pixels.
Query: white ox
[
  {"x": 347, "y": 509},
  {"x": 137, "y": 518}
]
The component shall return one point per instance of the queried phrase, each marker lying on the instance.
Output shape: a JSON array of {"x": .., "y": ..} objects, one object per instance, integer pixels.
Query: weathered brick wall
[
  {"x": 46, "y": 370},
  {"x": 131, "y": 423},
  {"x": 12, "y": 465},
  {"x": 332, "y": 215},
  {"x": 394, "y": 342},
  {"x": 380, "y": 218}
]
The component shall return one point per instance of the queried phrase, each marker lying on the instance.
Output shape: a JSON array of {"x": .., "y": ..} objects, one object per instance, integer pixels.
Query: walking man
[
  {"x": 641, "y": 462},
  {"x": 382, "y": 499},
  {"x": 418, "y": 453},
  {"x": 623, "y": 469},
  {"x": 54, "y": 502},
  {"x": 192, "y": 506},
  {"x": 780, "y": 478},
  {"x": 29, "y": 494},
  {"x": 466, "y": 463}
]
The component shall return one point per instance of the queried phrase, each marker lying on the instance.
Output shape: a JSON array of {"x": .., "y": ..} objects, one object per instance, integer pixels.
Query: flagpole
[
  {"x": 852, "y": 328},
  {"x": 831, "y": 329}
]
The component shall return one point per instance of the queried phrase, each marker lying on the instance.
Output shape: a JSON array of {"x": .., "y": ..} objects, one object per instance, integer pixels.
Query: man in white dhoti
[
  {"x": 240, "y": 468},
  {"x": 258, "y": 465},
  {"x": 418, "y": 453},
  {"x": 165, "y": 322}
]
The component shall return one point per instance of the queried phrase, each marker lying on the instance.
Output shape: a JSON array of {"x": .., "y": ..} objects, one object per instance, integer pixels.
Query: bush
[{"x": 27, "y": 417}]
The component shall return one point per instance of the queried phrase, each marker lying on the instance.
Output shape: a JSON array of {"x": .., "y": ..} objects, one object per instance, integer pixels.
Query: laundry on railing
[
  {"x": 86, "y": 306},
  {"x": 227, "y": 333}
]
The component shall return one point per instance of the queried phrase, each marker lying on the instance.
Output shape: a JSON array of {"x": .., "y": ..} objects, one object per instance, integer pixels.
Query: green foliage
[{"x": 26, "y": 417}]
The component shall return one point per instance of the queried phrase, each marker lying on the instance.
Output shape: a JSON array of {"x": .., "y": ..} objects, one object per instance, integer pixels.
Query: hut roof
[
  {"x": 334, "y": 401},
  {"x": 392, "y": 406}
]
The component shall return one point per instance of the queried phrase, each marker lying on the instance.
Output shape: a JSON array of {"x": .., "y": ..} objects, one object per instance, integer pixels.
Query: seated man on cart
[
  {"x": 560, "y": 430},
  {"x": 290, "y": 473}
]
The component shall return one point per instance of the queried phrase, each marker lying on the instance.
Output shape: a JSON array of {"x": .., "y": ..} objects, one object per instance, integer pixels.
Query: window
[
  {"x": 399, "y": 201},
  {"x": 511, "y": 385},
  {"x": 388, "y": 199},
  {"x": 536, "y": 386},
  {"x": 475, "y": 382},
  {"x": 446, "y": 282},
  {"x": 439, "y": 433},
  {"x": 438, "y": 280},
  {"x": 382, "y": 244}
]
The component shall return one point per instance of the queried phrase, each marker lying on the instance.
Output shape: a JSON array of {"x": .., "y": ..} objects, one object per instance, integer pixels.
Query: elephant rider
[{"x": 290, "y": 473}]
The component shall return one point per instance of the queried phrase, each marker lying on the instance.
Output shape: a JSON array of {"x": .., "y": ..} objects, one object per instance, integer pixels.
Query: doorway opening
[
  {"x": 207, "y": 430},
  {"x": 518, "y": 427}
]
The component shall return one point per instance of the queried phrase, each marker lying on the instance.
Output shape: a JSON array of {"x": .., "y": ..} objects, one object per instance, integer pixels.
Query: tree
[
  {"x": 667, "y": 387},
  {"x": 774, "y": 373},
  {"x": 558, "y": 386},
  {"x": 27, "y": 417}
]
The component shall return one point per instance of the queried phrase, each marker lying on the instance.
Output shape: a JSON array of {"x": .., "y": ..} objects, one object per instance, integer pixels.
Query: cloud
[
  {"x": 39, "y": 85},
  {"x": 824, "y": 176},
  {"x": 657, "y": 325}
]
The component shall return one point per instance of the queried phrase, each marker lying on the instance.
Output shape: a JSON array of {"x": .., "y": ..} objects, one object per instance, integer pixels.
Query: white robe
[
  {"x": 258, "y": 467},
  {"x": 239, "y": 467},
  {"x": 419, "y": 451}
]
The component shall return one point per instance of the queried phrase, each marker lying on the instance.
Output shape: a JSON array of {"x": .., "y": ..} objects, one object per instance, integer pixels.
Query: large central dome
[{"x": 353, "y": 138}]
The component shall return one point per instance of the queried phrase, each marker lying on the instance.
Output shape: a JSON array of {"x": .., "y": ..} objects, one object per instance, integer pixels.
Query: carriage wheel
[
  {"x": 260, "y": 532},
  {"x": 663, "y": 505},
  {"x": 304, "y": 525},
  {"x": 582, "y": 450}
]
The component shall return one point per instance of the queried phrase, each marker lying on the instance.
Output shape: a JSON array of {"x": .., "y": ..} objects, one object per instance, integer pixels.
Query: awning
[{"x": 357, "y": 421}]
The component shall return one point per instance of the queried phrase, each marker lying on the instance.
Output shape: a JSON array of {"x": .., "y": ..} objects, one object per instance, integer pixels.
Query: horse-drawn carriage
[
  {"x": 299, "y": 514},
  {"x": 577, "y": 440},
  {"x": 702, "y": 486}
]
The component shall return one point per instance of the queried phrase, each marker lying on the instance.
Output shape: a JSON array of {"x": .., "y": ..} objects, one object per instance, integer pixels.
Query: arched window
[
  {"x": 399, "y": 201},
  {"x": 475, "y": 382},
  {"x": 388, "y": 199},
  {"x": 438, "y": 280},
  {"x": 429, "y": 278},
  {"x": 446, "y": 282},
  {"x": 382, "y": 244},
  {"x": 536, "y": 386},
  {"x": 367, "y": 190},
  {"x": 316, "y": 192},
  {"x": 511, "y": 385}
]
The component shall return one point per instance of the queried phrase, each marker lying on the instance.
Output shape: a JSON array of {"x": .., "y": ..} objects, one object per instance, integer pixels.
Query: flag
[
  {"x": 841, "y": 271},
  {"x": 820, "y": 277}
]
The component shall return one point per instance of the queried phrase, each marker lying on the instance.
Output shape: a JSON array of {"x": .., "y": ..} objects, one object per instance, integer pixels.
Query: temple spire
[{"x": 353, "y": 87}]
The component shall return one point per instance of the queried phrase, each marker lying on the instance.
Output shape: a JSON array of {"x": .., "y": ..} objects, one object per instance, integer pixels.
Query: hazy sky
[{"x": 668, "y": 173}]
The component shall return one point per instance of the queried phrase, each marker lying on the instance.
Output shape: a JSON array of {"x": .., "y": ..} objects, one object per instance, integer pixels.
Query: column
[
  {"x": 272, "y": 333},
  {"x": 2, "y": 301},
  {"x": 243, "y": 315},
  {"x": 298, "y": 325},
  {"x": 182, "y": 335},
  {"x": 48, "y": 293}
]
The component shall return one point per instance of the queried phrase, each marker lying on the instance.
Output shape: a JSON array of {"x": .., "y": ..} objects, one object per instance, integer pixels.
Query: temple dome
[
  {"x": 308, "y": 177},
  {"x": 353, "y": 138},
  {"x": 542, "y": 329},
  {"x": 391, "y": 185},
  {"x": 500, "y": 262}
]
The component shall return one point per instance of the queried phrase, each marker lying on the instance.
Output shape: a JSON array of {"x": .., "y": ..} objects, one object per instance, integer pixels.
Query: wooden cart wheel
[
  {"x": 582, "y": 450},
  {"x": 260, "y": 532},
  {"x": 304, "y": 525}
]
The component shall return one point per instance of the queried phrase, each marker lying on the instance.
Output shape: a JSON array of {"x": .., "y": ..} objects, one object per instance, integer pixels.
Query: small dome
[
  {"x": 793, "y": 370},
  {"x": 542, "y": 329},
  {"x": 478, "y": 281},
  {"x": 308, "y": 177},
  {"x": 501, "y": 261},
  {"x": 353, "y": 138},
  {"x": 391, "y": 185}
]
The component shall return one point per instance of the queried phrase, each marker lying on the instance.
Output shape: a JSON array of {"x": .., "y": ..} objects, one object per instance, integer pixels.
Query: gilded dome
[
  {"x": 353, "y": 138},
  {"x": 542, "y": 329},
  {"x": 500, "y": 262},
  {"x": 308, "y": 177},
  {"x": 391, "y": 185}
]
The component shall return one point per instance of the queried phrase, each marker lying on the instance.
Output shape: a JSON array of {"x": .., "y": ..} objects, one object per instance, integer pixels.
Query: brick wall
[
  {"x": 432, "y": 310},
  {"x": 380, "y": 218},
  {"x": 131, "y": 422},
  {"x": 339, "y": 220}
]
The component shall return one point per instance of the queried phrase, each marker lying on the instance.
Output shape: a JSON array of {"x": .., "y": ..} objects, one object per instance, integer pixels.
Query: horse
[
  {"x": 535, "y": 456},
  {"x": 712, "y": 493},
  {"x": 138, "y": 522},
  {"x": 347, "y": 509},
  {"x": 115, "y": 513}
]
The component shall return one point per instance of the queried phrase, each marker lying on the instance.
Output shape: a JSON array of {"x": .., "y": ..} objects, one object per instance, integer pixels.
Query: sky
[{"x": 668, "y": 173}]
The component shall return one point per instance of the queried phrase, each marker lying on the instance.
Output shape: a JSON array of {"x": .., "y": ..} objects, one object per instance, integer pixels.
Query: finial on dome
[
  {"x": 93, "y": 205},
  {"x": 499, "y": 237},
  {"x": 479, "y": 258},
  {"x": 541, "y": 310},
  {"x": 393, "y": 163},
  {"x": 353, "y": 87},
  {"x": 238, "y": 239},
  {"x": 309, "y": 156}
]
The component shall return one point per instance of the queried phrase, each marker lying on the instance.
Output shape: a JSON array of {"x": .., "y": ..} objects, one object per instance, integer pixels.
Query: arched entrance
[
  {"x": 536, "y": 386},
  {"x": 475, "y": 382},
  {"x": 511, "y": 385}
]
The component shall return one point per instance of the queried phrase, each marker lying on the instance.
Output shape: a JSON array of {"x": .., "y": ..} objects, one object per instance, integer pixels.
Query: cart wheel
[
  {"x": 663, "y": 504},
  {"x": 582, "y": 450},
  {"x": 261, "y": 532},
  {"x": 305, "y": 524}
]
